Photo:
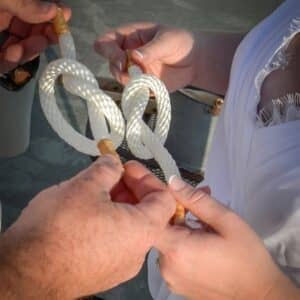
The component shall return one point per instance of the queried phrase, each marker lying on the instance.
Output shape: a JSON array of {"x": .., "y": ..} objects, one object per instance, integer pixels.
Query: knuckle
[
  {"x": 165, "y": 196},
  {"x": 76, "y": 188},
  {"x": 78, "y": 185},
  {"x": 194, "y": 196},
  {"x": 100, "y": 168},
  {"x": 24, "y": 3}
]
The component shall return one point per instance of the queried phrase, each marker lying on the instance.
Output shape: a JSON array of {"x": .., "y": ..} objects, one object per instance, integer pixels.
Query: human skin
[
  {"x": 28, "y": 28},
  {"x": 72, "y": 240},
  {"x": 223, "y": 260},
  {"x": 174, "y": 55}
]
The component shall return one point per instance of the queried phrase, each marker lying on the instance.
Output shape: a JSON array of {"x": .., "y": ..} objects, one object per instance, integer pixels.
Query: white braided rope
[
  {"x": 142, "y": 142},
  {"x": 79, "y": 80}
]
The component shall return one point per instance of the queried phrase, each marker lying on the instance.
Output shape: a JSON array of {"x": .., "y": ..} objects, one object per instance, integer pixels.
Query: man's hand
[
  {"x": 72, "y": 240},
  {"x": 223, "y": 260},
  {"x": 26, "y": 23},
  {"x": 167, "y": 53}
]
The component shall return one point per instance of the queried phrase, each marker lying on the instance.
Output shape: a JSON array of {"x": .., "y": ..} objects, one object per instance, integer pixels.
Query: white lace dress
[{"x": 254, "y": 164}]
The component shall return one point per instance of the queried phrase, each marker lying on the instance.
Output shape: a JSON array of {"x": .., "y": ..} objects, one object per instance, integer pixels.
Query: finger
[
  {"x": 11, "y": 40},
  {"x": 156, "y": 49},
  {"x": 22, "y": 52},
  {"x": 103, "y": 175},
  {"x": 67, "y": 12},
  {"x": 121, "y": 77},
  {"x": 115, "y": 72},
  {"x": 31, "y": 11},
  {"x": 170, "y": 238},
  {"x": 162, "y": 48},
  {"x": 140, "y": 180},
  {"x": 155, "y": 201},
  {"x": 132, "y": 41},
  {"x": 19, "y": 28},
  {"x": 22, "y": 29},
  {"x": 50, "y": 34},
  {"x": 5, "y": 20},
  {"x": 33, "y": 47},
  {"x": 203, "y": 206},
  {"x": 48, "y": 29},
  {"x": 122, "y": 194},
  {"x": 137, "y": 34},
  {"x": 158, "y": 207},
  {"x": 206, "y": 189},
  {"x": 109, "y": 47},
  {"x": 38, "y": 29},
  {"x": 11, "y": 57}
]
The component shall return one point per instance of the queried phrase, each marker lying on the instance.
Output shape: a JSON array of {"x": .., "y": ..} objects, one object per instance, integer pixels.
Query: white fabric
[
  {"x": 256, "y": 171},
  {"x": 79, "y": 80},
  {"x": 281, "y": 110}
]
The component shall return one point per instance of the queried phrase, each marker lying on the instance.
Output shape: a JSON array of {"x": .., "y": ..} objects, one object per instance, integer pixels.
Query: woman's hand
[
  {"x": 28, "y": 30},
  {"x": 167, "y": 53},
  {"x": 223, "y": 260}
]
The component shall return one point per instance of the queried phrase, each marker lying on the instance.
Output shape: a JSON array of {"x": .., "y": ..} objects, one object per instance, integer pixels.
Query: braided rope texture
[{"x": 106, "y": 119}]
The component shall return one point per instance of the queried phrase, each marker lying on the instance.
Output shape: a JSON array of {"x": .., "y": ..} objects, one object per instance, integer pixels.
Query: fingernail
[
  {"x": 176, "y": 184},
  {"x": 47, "y": 6},
  {"x": 120, "y": 66},
  {"x": 139, "y": 54}
]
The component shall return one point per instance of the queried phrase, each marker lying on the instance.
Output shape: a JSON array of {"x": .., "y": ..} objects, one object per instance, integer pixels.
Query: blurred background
[
  {"x": 94, "y": 17},
  {"x": 49, "y": 160}
]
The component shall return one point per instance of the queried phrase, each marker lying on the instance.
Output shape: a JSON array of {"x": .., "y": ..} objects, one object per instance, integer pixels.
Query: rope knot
[
  {"x": 79, "y": 81},
  {"x": 134, "y": 102}
]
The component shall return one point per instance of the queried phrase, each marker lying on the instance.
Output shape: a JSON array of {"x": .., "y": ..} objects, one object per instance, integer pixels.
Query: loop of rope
[
  {"x": 134, "y": 102},
  {"x": 80, "y": 81},
  {"x": 104, "y": 113}
]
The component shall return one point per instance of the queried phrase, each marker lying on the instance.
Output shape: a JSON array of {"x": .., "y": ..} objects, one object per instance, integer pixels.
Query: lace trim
[
  {"x": 280, "y": 59},
  {"x": 280, "y": 111}
]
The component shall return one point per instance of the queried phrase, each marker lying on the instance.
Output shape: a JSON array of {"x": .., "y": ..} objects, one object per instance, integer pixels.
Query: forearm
[{"x": 215, "y": 56}]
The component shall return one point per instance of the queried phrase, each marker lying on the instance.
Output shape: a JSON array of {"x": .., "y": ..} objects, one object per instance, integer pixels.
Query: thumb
[
  {"x": 31, "y": 11},
  {"x": 103, "y": 175},
  {"x": 203, "y": 206},
  {"x": 157, "y": 49}
]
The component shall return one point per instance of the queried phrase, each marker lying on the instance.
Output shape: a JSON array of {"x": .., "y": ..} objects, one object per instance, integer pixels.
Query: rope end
[
  {"x": 60, "y": 25},
  {"x": 179, "y": 217},
  {"x": 129, "y": 62},
  {"x": 106, "y": 146},
  {"x": 133, "y": 69}
]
